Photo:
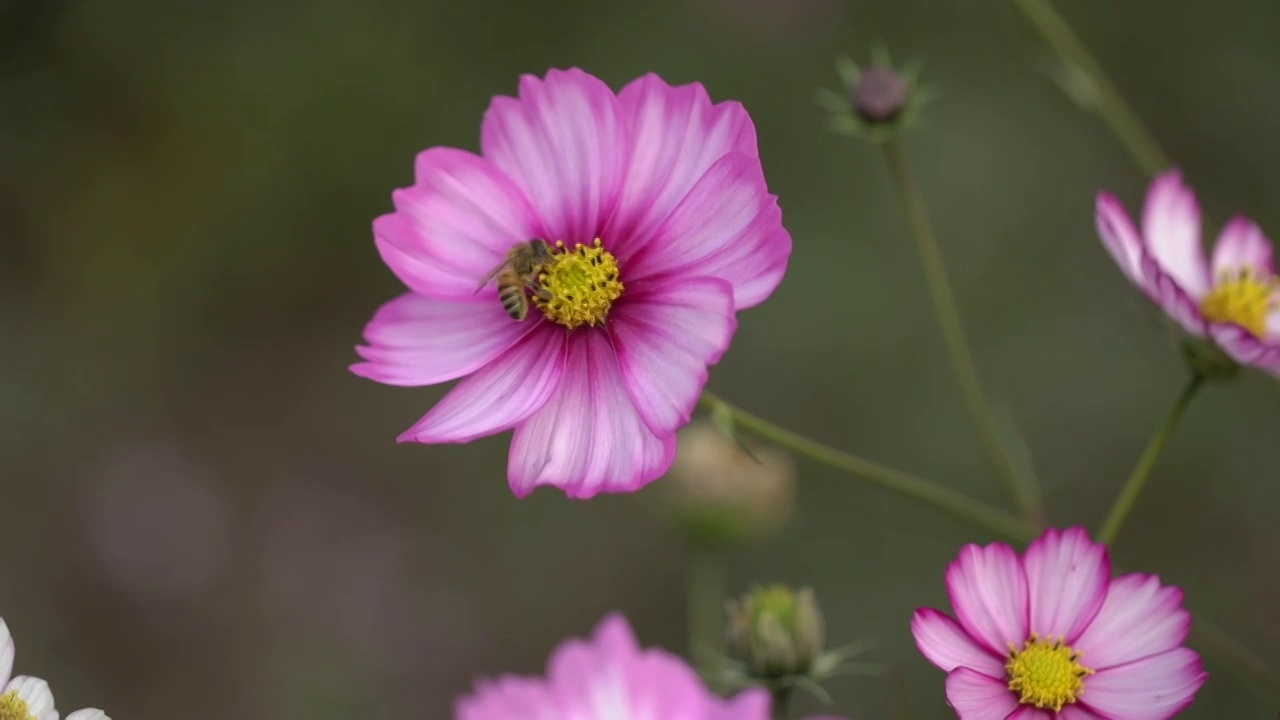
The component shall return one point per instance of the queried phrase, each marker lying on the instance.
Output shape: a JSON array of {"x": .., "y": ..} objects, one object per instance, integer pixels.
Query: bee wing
[{"x": 492, "y": 274}]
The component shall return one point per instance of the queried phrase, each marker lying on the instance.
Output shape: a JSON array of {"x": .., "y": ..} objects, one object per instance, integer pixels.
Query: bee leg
[{"x": 542, "y": 292}]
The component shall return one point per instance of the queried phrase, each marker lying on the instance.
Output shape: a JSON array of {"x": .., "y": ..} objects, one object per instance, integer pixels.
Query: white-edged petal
[{"x": 88, "y": 714}]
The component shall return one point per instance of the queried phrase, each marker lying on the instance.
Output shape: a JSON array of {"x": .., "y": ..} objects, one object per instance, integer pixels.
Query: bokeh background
[{"x": 205, "y": 514}]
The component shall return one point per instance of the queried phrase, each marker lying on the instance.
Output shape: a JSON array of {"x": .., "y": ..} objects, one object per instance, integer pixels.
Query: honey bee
[{"x": 519, "y": 271}]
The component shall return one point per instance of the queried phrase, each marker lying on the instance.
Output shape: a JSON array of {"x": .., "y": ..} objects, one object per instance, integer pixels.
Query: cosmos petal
[
  {"x": 947, "y": 645},
  {"x": 508, "y": 697},
  {"x": 7, "y": 651},
  {"x": 978, "y": 697},
  {"x": 1165, "y": 292},
  {"x": 1154, "y": 688},
  {"x": 988, "y": 590},
  {"x": 1243, "y": 246},
  {"x": 1140, "y": 618},
  {"x": 418, "y": 340},
  {"x": 1171, "y": 227},
  {"x": 665, "y": 338},
  {"x": 1067, "y": 578},
  {"x": 588, "y": 438},
  {"x": 676, "y": 135},
  {"x": 565, "y": 142},
  {"x": 728, "y": 226},
  {"x": 454, "y": 225},
  {"x": 36, "y": 694},
  {"x": 1245, "y": 348},
  {"x": 1030, "y": 712},
  {"x": 88, "y": 714},
  {"x": 1078, "y": 712},
  {"x": 1119, "y": 235},
  {"x": 500, "y": 395}
]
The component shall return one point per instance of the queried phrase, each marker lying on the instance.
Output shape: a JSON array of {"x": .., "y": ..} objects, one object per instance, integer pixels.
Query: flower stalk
[
  {"x": 941, "y": 497},
  {"x": 1123, "y": 121},
  {"x": 1137, "y": 481},
  {"x": 1023, "y": 490}
]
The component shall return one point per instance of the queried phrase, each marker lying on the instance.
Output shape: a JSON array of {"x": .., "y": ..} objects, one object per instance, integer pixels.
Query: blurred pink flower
[
  {"x": 609, "y": 677},
  {"x": 1232, "y": 298},
  {"x": 1051, "y": 636},
  {"x": 668, "y": 229}
]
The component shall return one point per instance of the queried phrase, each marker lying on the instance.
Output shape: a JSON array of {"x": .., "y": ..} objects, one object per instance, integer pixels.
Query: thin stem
[
  {"x": 782, "y": 703},
  {"x": 1124, "y": 122},
  {"x": 1021, "y": 488},
  {"x": 1133, "y": 487},
  {"x": 706, "y": 593},
  {"x": 957, "y": 504}
]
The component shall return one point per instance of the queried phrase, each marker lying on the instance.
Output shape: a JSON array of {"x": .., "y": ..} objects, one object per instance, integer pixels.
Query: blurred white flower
[{"x": 25, "y": 697}]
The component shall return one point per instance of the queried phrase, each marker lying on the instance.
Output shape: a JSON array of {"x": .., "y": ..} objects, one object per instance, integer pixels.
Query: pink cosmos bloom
[
  {"x": 1233, "y": 298},
  {"x": 1052, "y": 636},
  {"x": 656, "y": 204},
  {"x": 609, "y": 677}
]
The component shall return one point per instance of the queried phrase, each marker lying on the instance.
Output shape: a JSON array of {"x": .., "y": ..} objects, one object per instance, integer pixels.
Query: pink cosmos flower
[
  {"x": 609, "y": 677},
  {"x": 1232, "y": 298},
  {"x": 656, "y": 204},
  {"x": 1052, "y": 636}
]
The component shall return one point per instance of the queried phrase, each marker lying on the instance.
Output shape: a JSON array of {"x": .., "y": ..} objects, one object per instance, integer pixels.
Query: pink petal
[
  {"x": 454, "y": 225},
  {"x": 1067, "y": 579},
  {"x": 947, "y": 645},
  {"x": 665, "y": 337},
  {"x": 728, "y": 226},
  {"x": 1245, "y": 348},
  {"x": 1030, "y": 712},
  {"x": 609, "y": 676},
  {"x": 564, "y": 141},
  {"x": 1155, "y": 688},
  {"x": 1119, "y": 235},
  {"x": 418, "y": 340},
  {"x": 1078, "y": 712},
  {"x": 1165, "y": 292},
  {"x": 1140, "y": 618},
  {"x": 500, "y": 395},
  {"x": 506, "y": 698},
  {"x": 988, "y": 590},
  {"x": 588, "y": 438},
  {"x": 676, "y": 135},
  {"x": 979, "y": 697},
  {"x": 753, "y": 704},
  {"x": 1171, "y": 226},
  {"x": 1242, "y": 246}
]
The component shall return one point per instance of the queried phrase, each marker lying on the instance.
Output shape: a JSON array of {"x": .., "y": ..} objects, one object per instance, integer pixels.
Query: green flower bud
[{"x": 775, "y": 631}]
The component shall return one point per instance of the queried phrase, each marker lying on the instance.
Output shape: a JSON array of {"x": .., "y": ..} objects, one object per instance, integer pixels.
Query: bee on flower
[{"x": 653, "y": 227}]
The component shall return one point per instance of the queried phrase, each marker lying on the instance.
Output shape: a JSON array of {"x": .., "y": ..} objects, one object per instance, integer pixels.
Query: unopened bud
[
  {"x": 881, "y": 94},
  {"x": 775, "y": 631},
  {"x": 719, "y": 495}
]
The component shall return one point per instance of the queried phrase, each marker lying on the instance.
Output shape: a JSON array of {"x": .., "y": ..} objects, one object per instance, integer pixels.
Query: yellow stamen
[
  {"x": 1046, "y": 673},
  {"x": 13, "y": 707},
  {"x": 583, "y": 283},
  {"x": 1242, "y": 297}
]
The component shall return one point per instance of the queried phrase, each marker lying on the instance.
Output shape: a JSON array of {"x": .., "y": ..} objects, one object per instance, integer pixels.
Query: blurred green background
[{"x": 207, "y": 516}]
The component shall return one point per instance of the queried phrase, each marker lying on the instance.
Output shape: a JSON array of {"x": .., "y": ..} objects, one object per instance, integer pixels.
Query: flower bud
[
  {"x": 880, "y": 95},
  {"x": 719, "y": 495},
  {"x": 775, "y": 631}
]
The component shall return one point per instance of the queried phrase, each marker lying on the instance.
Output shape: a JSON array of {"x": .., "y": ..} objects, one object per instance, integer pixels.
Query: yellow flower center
[
  {"x": 13, "y": 707},
  {"x": 1243, "y": 298},
  {"x": 1046, "y": 673},
  {"x": 583, "y": 283}
]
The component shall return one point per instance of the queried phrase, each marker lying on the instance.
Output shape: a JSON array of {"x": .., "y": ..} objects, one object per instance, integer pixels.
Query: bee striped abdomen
[{"x": 514, "y": 301}]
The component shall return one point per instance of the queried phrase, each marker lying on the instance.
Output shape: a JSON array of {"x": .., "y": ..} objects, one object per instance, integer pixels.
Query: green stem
[
  {"x": 706, "y": 593},
  {"x": 1133, "y": 487},
  {"x": 1021, "y": 488},
  {"x": 957, "y": 504},
  {"x": 1124, "y": 122}
]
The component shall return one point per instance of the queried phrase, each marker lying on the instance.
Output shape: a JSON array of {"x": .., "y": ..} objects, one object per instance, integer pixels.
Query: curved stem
[
  {"x": 1022, "y": 489},
  {"x": 1133, "y": 487},
  {"x": 957, "y": 504},
  {"x": 1124, "y": 122},
  {"x": 782, "y": 703}
]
